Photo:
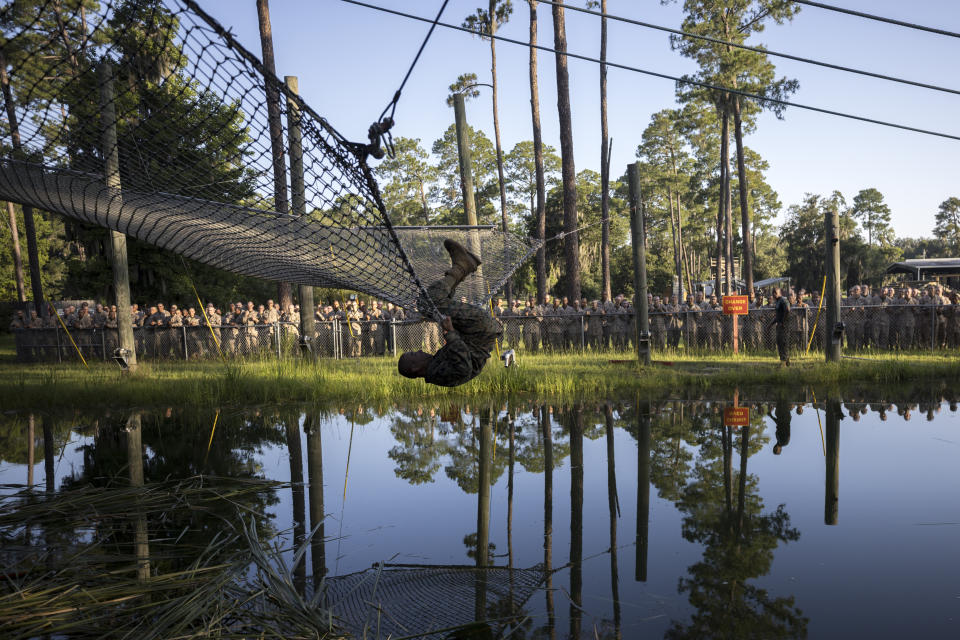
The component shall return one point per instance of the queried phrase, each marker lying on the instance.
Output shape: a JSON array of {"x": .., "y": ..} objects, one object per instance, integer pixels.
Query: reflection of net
[
  {"x": 197, "y": 168},
  {"x": 405, "y": 601}
]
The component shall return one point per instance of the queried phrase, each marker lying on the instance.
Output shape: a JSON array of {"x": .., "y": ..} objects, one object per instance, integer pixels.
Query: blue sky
[{"x": 350, "y": 60}]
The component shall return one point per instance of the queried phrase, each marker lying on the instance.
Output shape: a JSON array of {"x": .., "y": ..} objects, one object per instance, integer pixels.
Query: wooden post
[
  {"x": 464, "y": 153},
  {"x": 832, "y": 338},
  {"x": 298, "y": 200},
  {"x": 831, "y": 500},
  {"x": 118, "y": 241},
  {"x": 643, "y": 489},
  {"x": 735, "y": 319},
  {"x": 284, "y": 289},
  {"x": 638, "y": 234},
  {"x": 135, "y": 474}
]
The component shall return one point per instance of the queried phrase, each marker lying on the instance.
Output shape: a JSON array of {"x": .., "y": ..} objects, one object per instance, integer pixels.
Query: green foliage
[
  {"x": 448, "y": 192},
  {"x": 405, "y": 182},
  {"x": 947, "y": 227},
  {"x": 870, "y": 209}
]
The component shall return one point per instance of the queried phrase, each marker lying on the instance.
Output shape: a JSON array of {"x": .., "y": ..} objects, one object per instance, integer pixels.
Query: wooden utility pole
[
  {"x": 464, "y": 153},
  {"x": 638, "y": 237},
  {"x": 833, "y": 337},
  {"x": 281, "y": 204},
  {"x": 298, "y": 199},
  {"x": 118, "y": 241},
  {"x": 29, "y": 228},
  {"x": 541, "y": 260}
]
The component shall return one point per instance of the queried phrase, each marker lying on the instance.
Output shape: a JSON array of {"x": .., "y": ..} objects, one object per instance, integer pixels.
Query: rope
[
  {"x": 71, "y": 339},
  {"x": 392, "y": 107},
  {"x": 206, "y": 318},
  {"x": 666, "y": 76},
  {"x": 760, "y": 50},
  {"x": 813, "y": 331},
  {"x": 870, "y": 16}
]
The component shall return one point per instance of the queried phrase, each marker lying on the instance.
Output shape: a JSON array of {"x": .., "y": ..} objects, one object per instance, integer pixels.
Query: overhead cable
[
  {"x": 760, "y": 50},
  {"x": 665, "y": 76},
  {"x": 870, "y": 16}
]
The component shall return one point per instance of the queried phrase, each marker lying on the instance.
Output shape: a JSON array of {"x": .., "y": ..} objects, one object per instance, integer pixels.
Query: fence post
[
  {"x": 393, "y": 336},
  {"x": 103, "y": 344},
  {"x": 59, "y": 355},
  {"x": 833, "y": 330},
  {"x": 186, "y": 349},
  {"x": 933, "y": 327},
  {"x": 276, "y": 337},
  {"x": 582, "y": 345}
]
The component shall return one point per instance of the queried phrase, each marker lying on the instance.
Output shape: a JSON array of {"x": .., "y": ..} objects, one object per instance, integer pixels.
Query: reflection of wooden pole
[
  {"x": 643, "y": 489},
  {"x": 831, "y": 499},
  {"x": 292, "y": 426},
  {"x": 742, "y": 491},
  {"x": 118, "y": 241},
  {"x": 30, "y": 449},
  {"x": 484, "y": 452},
  {"x": 613, "y": 507},
  {"x": 318, "y": 552},
  {"x": 51, "y": 483},
  {"x": 135, "y": 472},
  {"x": 548, "y": 515},
  {"x": 576, "y": 518}
]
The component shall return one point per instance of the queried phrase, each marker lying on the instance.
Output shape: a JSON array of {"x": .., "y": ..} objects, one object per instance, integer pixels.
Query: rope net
[
  {"x": 218, "y": 160},
  {"x": 429, "y": 602}
]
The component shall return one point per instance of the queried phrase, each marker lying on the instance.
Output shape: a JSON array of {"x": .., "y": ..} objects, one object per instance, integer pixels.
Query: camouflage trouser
[{"x": 475, "y": 325}]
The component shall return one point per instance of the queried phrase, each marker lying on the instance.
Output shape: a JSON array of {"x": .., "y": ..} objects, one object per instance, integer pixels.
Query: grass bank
[{"x": 375, "y": 380}]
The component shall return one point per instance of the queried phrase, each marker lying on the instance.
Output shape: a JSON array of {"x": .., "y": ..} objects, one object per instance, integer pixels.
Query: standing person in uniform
[
  {"x": 594, "y": 325},
  {"x": 674, "y": 323},
  {"x": 554, "y": 323},
  {"x": 780, "y": 319},
  {"x": 532, "y": 321},
  {"x": 469, "y": 332}
]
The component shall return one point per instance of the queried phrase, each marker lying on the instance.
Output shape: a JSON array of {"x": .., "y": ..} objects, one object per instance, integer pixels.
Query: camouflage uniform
[
  {"x": 532, "y": 321},
  {"x": 467, "y": 346}
]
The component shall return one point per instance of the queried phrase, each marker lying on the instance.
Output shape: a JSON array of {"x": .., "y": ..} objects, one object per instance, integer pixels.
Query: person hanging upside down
[{"x": 469, "y": 331}]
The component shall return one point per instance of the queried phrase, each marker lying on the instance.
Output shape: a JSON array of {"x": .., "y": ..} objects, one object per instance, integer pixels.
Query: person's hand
[{"x": 446, "y": 324}]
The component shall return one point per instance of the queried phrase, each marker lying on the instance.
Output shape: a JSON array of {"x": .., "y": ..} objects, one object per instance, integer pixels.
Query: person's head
[
  {"x": 191, "y": 312},
  {"x": 153, "y": 310},
  {"x": 249, "y": 305},
  {"x": 777, "y": 449},
  {"x": 414, "y": 364},
  {"x": 269, "y": 304},
  {"x": 566, "y": 300}
]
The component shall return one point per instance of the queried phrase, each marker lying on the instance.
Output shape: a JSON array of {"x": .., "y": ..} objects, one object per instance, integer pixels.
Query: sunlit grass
[{"x": 371, "y": 380}]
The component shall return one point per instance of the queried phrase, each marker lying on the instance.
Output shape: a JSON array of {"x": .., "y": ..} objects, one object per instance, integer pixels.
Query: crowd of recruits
[{"x": 884, "y": 318}]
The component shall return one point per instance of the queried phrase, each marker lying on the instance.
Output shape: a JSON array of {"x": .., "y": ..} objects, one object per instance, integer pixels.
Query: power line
[
  {"x": 870, "y": 16},
  {"x": 656, "y": 74},
  {"x": 760, "y": 50}
]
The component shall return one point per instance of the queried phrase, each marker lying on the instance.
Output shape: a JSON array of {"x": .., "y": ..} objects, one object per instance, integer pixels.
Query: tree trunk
[
  {"x": 720, "y": 204},
  {"x": 508, "y": 289},
  {"x": 541, "y": 205},
  {"x": 33, "y": 254},
  {"x": 17, "y": 259},
  {"x": 728, "y": 220},
  {"x": 606, "y": 293},
  {"x": 281, "y": 204},
  {"x": 571, "y": 243},
  {"x": 744, "y": 208},
  {"x": 673, "y": 234}
]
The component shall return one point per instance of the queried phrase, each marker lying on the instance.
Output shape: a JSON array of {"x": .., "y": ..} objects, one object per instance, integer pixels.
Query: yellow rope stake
[
  {"x": 813, "y": 331},
  {"x": 203, "y": 310},
  {"x": 71, "y": 339},
  {"x": 822, "y": 442},
  {"x": 212, "y": 431}
]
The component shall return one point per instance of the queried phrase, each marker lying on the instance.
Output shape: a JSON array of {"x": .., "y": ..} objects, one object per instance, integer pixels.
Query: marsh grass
[
  {"x": 79, "y": 579},
  {"x": 375, "y": 380}
]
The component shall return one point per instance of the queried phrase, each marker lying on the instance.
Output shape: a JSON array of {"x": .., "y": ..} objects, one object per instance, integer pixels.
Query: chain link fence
[{"x": 881, "y": 328}]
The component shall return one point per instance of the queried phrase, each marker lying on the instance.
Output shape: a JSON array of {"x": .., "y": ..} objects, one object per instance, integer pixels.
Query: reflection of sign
[
  {"x": 736, "y": 417},
  {"x": 735, "y": 305}
]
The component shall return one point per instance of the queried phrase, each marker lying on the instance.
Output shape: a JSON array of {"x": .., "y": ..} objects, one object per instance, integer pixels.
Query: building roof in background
[{"x": 921, "y": 269}]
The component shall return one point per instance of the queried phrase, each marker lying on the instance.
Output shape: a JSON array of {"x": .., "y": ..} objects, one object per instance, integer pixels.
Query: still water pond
[{"x": 629, "y": 518}]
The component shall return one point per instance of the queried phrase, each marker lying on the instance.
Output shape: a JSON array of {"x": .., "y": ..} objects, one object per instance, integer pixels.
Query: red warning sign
[
  {"x": 736, "y": 417},
  {"x": 736, "y": 305}
]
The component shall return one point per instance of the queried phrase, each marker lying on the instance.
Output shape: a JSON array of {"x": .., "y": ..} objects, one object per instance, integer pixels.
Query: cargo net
[
  {"x": 430, "y": 602},
  {"x": 217, "y": 159}
]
